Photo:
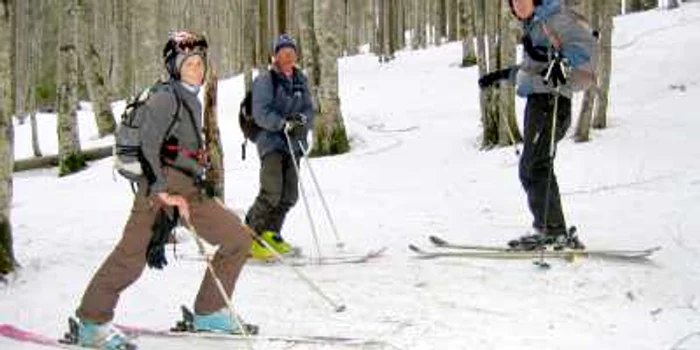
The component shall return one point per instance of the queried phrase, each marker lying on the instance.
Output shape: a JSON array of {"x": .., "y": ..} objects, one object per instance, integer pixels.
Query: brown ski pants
[{"x": 212, "y": 221}]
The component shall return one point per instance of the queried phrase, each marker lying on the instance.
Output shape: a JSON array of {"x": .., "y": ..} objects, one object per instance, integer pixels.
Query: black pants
[
  {"x": 536, "y": 163},
  {"x": 278, "y": 193}
]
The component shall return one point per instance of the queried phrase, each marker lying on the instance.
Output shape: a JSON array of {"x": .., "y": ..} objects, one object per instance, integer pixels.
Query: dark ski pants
[
  {"x": 535, "y": 162},
  {"x": 212, "y": 221},
  {"x": 279, "y": 191}
]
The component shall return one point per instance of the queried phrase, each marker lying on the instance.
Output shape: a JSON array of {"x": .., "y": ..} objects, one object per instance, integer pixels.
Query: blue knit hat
[{"x": 285, "y": 40}]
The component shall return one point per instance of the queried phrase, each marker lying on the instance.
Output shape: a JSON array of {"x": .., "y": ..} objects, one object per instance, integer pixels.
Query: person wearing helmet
[
  {"x": 171, "y": 183},
  {"x": 283, "y": 109}
]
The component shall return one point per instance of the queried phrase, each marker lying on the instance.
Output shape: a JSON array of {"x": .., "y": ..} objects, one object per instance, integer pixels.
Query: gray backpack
[{"x": 128, "y": 158}]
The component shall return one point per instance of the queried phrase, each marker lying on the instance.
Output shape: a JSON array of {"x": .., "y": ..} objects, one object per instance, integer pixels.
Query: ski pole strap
[{"x": 200, "y": 154}]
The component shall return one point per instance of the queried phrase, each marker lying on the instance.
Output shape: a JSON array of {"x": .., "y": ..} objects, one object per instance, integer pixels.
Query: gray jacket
[
  {"x": 161, "y": 108},
  {"x": 271, "y": 107},
  {"x": 554, "y": 25}
]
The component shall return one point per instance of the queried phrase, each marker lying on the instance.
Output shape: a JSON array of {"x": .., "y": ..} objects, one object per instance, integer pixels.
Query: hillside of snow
[{"x": 416, "y": 169}]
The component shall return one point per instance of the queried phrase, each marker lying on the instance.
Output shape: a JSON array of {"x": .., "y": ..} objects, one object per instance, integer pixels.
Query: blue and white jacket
[{"x": 555, "y": 27}]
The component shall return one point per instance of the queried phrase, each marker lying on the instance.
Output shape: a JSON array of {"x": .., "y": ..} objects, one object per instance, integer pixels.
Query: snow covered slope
[{"x": 416, "y": 170}]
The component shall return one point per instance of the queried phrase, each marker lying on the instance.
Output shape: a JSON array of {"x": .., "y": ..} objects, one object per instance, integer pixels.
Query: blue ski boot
[
  {"x": 219, "y": 321},
  {"x": 102, "y": 336}
]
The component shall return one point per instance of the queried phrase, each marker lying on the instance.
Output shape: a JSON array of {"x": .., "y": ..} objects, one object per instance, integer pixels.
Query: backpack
[
  {"x": 128, "y": 158},
  {"x": 249, "y": 127}
]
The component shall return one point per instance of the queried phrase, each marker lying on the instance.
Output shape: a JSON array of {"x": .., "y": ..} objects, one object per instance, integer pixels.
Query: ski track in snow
[{"x": 416, "y": 170}]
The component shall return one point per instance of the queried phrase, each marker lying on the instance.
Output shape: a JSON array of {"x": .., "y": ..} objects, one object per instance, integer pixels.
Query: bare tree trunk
[
  {"x": 496, "y": 46},
  {"x": 34, "y": 14},
  {"x": 70, "y": 158},
  {"x": 36, "y": 149},
  {"x": 583, "y": 127},
  {"x": 382, "y": 34},
  {"x": 389, "y": 22},
  {"x": 480, "y": 32},
  {"x": 434, "y": 20},
  {"x": 281, "y": 18},
  {"x": 605, "y": 66},
  {"x": 466, "y": 30},
  {"x": 46, "y": 74},
  {"x": 508, "y": 123},
  {"x": 392, "y": 28},
  {"x": 329, "y": 130},
  {"x": 353, "y": 26},
  {"x": 146, "y": 45},
  {"x": 485, "y": 38},
  {"x": 309, "y": 45},
  {"x": 95, "y": 80},
  {"x": 400, "y": 31},
  {"x": 250, "y": 34},
  {"x": 21, "y": 82},
  {"x": 441, "y": 15},
  {"x": 453, "y": 20},
  {"x": 121, "y": 38},
  {"x": 421, "y": 9},
  {"x": 236, "y": 40},
  {"x": 347, "y": 33},
  {"x": 226, "y": 29},
  {"x": 368, "y": 20},
  {"x": 215, "y": 173},
  {"x": 264, "y": 41},
  {"x": 7, "y": 18}
]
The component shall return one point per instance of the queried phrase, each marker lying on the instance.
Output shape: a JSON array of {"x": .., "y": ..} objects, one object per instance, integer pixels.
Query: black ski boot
[{"x": 543, "y": 240}]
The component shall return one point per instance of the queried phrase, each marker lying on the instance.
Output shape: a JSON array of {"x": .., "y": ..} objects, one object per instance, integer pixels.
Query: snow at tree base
[{"x": 416, "y": 170}]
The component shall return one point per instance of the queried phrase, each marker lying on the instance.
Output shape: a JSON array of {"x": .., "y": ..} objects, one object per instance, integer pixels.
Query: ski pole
[
  {"x": 234, "y": 315},
  {"x": 552, "y": 153},
  {"x": 339, "y": 243},
  {"x": 303, "y": 192},
  {"x": 338, "y": 307},
  {"x": 552, "y": 150},
  {"x": 512, "y": 139}
]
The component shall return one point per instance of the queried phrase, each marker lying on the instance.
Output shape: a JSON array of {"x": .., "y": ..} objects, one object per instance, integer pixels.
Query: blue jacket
[
  {"x": 553, "y": 25},
  {"x": 271, "y": 107}
]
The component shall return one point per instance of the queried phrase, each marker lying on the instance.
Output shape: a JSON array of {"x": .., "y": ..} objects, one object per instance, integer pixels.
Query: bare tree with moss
[
  {"x": 322, "y": 39},
  {"x": 494, "y": 30},
  {"x": 71, "y": 159},
  {"x": 7, "y": 259}
]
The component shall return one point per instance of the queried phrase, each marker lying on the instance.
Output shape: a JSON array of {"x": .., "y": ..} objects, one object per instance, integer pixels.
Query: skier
[
  {"x": 559, "y": 58},
  {"x": 282, "y": 107},
  {"x": 171, "y": 153}
]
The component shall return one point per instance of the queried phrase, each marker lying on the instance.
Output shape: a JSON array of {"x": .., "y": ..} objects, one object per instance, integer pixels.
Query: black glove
[
  {"x": 555, "y": 74},
  {"x": 162, "y": 229},
  {"x": 494, "y": 77},
  {"x": 294, "y": 125}
]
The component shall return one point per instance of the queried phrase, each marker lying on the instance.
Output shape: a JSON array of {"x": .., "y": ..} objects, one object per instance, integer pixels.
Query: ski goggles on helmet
[{"x": 185, "y": 42}]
